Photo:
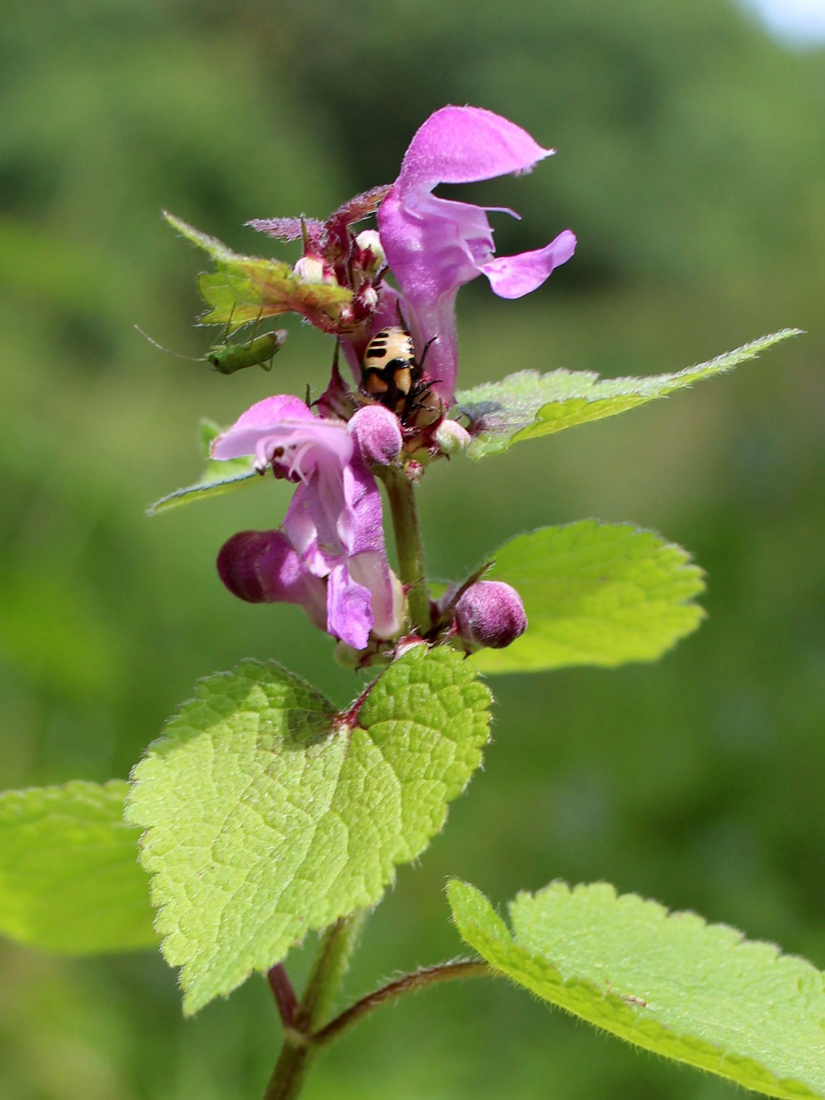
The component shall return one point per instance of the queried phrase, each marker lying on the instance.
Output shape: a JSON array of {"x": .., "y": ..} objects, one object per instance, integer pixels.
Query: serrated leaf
[
  {"x": 69, "y": 874},
  {"x": 246, "y": 289},
  {"x": 268, "y": 814},
  {"x": 528, "y": 404},
  {"x": 218, "y": 477},
  {"x": 669, "y": 983},
  {"x": 595, "y": 594}
]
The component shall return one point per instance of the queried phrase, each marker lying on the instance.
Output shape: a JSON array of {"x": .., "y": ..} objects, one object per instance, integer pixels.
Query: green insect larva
[
  {"x": 258, "y": 352},
  {"x": 228, "y": 358}
]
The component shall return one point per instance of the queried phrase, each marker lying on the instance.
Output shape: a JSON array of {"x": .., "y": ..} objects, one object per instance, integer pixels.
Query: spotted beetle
[{"x": 390, "y": 374}]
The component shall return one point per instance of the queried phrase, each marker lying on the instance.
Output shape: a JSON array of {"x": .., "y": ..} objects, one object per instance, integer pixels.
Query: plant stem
[
  {"x": 444, "y": 972},
  {"x": 409, "y": 546},
  {"x": 305, "y": 1027},
  {"x": 283, "y": 993},
  {"x": 315, "y": 1005}
]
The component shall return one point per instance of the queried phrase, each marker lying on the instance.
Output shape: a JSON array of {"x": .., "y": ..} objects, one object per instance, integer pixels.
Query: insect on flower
[
  {"x": 391, "y": 375},
  {"x": 258, "y": 352},
  {"x": 228, "y": 357}
]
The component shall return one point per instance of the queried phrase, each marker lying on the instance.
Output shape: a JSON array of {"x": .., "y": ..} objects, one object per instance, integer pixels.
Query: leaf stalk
[
  {"x": 311, "y": 1012},
  {"x": 409, "y": 983}
]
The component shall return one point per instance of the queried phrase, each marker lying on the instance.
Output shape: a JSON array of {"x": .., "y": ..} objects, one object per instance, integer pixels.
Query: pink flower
[
  {"x": 331, "y": 543},
  {"x": 433, "y": 246}
]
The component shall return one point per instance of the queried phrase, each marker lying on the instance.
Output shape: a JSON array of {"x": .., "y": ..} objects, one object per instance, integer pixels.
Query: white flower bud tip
[
  {"x": 450, "y": 438},
  {"x": 369, "y": 241},
  {"x": 312, "y": 269}
]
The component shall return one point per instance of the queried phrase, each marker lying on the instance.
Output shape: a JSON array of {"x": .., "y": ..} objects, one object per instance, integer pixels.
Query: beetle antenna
[
  {"x": 401, "y": 319},
  {"x": 432, "y": 340}
]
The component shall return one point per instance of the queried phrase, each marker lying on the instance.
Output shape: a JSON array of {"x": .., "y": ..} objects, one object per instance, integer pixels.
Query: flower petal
[
  {"x": 433, "y": 245},
  {"x": 349, "y": 616},
  {"x": 386, "y": 592},
  {"x": 515, "y": 276},
  {"x": 263, "y": 417},
  {"x": 466, "y": 144},
  {"x": 377, "y": 435}
]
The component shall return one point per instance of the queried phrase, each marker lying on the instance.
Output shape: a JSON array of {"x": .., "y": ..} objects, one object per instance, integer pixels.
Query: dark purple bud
[
  {"x": 263, "y": 567},
  {"x": 490, "y": 614},
  {"x": 239, "y": 563}
]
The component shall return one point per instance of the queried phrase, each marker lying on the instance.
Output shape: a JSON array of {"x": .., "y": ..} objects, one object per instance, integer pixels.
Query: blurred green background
[{"x": 691, "y": 164}]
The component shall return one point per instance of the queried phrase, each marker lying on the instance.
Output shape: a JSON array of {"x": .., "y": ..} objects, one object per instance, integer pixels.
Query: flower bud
[
  {"x": 314, "y": 269},
  {"x": 377, "y": 435},
  {"x": 368, "y": 241},
  {"x": 489, "y": 614},
  {"x": 238, "y": 564},
  {"x": 263, "y": 567},
  {"x": 450, "y": 438}
]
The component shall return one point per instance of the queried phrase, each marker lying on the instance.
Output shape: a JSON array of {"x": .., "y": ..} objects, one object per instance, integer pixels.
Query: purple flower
[
  {"x": 433, "y": 246},
  {"x": 332, "y": 532}
]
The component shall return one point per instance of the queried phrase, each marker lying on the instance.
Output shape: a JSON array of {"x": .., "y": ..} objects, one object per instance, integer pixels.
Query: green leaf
[
  {"x": 595, "y": 594},
  {"x": 669, "y": 983},
  {"x": 218, "y": 477},
  {"x": 248, "y": 288},
  {"x": 69, "y": 874},
  {"x": 528, "y": 404},
  {"x": 268, "y": 814}
]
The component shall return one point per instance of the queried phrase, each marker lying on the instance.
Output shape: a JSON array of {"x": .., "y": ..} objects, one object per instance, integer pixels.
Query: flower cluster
[
  {"x": 434, "y": 246},
  {"x": 328, "y": 556}
]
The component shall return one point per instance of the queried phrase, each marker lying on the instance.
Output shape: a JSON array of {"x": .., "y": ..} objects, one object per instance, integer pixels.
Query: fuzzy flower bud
[
  {"x": 451, "y": 439},
  {"x": 489, "y": 614},
  {"x": 314, "y": 269},
  {"x": 377, "y": 435},
  {"x": 369, "y": 242},
  {"x": 263, "y": 567}
]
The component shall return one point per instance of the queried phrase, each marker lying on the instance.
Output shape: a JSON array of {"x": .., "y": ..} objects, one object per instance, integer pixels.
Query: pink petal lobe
[
  {"x": 515, "y": 276},
  {"x": 466, "y": 144},
  {"x": 259, "y": 420},
  {"x": 349, "y": 616}
]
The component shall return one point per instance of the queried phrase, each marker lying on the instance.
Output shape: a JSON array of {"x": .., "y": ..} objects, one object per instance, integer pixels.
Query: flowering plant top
[{"x": 267, "y": 811}]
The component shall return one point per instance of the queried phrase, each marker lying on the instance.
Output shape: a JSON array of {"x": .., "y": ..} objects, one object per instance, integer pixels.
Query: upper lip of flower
[{"x": 433, "y": 245}]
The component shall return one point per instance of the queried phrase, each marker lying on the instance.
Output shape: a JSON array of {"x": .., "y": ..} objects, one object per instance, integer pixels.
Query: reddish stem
[{"x": 284, "y": 994}]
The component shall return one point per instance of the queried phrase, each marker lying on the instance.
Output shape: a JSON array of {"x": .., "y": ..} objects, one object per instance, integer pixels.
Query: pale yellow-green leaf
[
  {"x": 267, "y": 814},
  {"x": 670, "y": 983},
  {"x": 528, "y": 404},
  {"x": 69, "y": 874},
  {"x": 595, "y": 594}
]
